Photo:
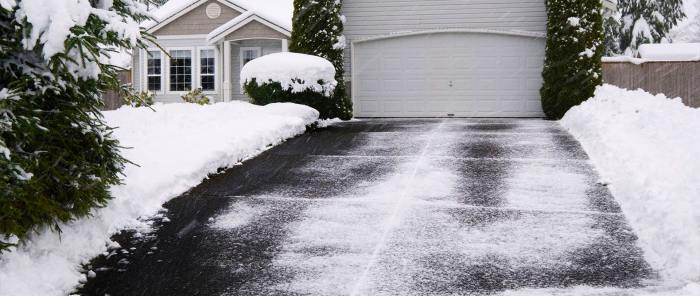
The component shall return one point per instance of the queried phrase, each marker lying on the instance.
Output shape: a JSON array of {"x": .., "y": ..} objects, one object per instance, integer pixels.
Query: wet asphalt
[{"x": 388, "y": 207}]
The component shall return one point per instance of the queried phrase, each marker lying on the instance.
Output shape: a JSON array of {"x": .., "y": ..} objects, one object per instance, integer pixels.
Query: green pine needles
[
  {"x": 58, "y": 158},
  {"x": 317, "y": 30},
  {"x": 572, "y": 68}
]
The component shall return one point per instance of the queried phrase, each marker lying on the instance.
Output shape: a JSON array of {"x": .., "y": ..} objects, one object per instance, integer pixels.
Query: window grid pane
[
  {"x": 180, "y": 70},
  {"x": 153, "y": 71},
  {"x": 207, "y": 69}
]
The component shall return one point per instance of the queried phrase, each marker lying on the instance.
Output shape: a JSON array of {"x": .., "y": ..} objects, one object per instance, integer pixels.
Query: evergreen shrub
[{"x": 574, "y": 49}]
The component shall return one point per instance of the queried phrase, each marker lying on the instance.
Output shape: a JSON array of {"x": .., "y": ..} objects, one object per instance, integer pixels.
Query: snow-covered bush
[
  {"x": 196, "y": 96},
  {"x": 318, "y": 30},
  {"x": 57, "y": 156},
  {"x": 291, "y": 77},
  {"x": 646, "y": 21},
  {"x": 572, "y": 67}
]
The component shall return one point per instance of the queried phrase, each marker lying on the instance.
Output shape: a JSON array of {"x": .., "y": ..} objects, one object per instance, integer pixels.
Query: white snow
[
  {"x": 299, "y": 72},
  {"x": 52, "y": 21},
  {"x": 624, "y": 59},
  {"x": 646, "y": 148},
  {"x": 574, "y": 21},
  {"x": 278, "y": 12},
  {"x": 175, "y": 148},
  {"x": 670, "y": 52}
]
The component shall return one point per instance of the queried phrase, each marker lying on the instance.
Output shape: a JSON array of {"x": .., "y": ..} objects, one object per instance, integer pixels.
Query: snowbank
[
  {"x": 299, "y": 72},
  {"x": 646, "y": 147},
  {"x": 670, "y": 52},
  {"x": 176, "y": 148}
]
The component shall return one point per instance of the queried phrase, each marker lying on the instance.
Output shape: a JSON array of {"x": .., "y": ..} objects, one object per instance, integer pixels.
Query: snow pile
[
  {"x": 175, "y": 148},
  {"x": 646, "y": 148},
  {"x": 670, "y": 52},
  {"x": 298, "y": 72}
]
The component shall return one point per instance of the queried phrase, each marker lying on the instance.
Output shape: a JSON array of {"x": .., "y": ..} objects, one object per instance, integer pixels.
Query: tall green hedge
[
  {"x": 575, "y": 46},
  {"x": 317, "y": 28}
]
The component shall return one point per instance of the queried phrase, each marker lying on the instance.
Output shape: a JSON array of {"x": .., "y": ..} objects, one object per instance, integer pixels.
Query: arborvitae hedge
[
  {"x": 572, "y": 68},
  {"x": 317, "y": 30}
]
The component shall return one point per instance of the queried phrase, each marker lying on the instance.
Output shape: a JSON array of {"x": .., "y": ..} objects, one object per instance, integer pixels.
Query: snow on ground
[
  {"x": 175, "y": 148},
  {"x": 646, "y": 148},
  {"x": 299, "y": 72}
]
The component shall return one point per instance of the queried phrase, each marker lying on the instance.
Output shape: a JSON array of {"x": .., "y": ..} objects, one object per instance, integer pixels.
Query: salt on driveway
[{"x": 390, "y": 207}]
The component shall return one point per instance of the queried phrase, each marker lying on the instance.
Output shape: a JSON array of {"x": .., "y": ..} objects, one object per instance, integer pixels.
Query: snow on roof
[
  {"x": 670, "y": 52},
  {"x": 278, "y": 12}
]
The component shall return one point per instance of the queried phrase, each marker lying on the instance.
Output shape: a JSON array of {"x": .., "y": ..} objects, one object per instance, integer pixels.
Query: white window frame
[
  {"x": 242, "y": 50},
  {"x": 163, "y": 71},
  {"x": 195, "y": 65},
  {"x": 217, "y": 71}
]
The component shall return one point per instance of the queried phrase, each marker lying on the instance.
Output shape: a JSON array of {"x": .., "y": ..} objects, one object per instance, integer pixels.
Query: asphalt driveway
[{"x": 388, "y": 207}]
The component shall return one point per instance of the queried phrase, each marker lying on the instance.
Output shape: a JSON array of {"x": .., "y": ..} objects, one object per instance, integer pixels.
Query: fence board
[
  {"x": 674, "y": 79},
  {"x": 112, "y": 100}
]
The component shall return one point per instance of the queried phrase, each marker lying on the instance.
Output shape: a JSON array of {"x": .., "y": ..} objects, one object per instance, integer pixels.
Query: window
[
  {"x": 248, "y": 54},
  {"x": 180, "y": 70},
  {"x": 153, "y": 71},
  {"x": 207, "y": 69}
]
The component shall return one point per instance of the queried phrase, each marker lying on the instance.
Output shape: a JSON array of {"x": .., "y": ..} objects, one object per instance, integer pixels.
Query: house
[
  {"x": 207, "y": 43},
  {"x": 456, "y": 58},
  {"x": 403, "y": 58}
]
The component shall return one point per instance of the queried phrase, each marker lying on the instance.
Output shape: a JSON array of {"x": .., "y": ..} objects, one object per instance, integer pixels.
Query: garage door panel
[{"x": 465, "y": 74}]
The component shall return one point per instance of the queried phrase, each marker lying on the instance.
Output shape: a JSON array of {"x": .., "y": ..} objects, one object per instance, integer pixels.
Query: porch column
[
  {"x": 227, "y": 72},
  {"x": 285, "y": 45}
]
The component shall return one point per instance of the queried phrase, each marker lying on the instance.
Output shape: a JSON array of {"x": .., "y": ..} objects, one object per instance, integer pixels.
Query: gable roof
[
  {"x": 276, "y": 12},
  {"x": 240, "y": 21}
]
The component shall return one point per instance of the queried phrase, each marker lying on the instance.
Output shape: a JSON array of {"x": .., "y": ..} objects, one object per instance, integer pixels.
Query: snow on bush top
[{"x": 298, "y": 72}]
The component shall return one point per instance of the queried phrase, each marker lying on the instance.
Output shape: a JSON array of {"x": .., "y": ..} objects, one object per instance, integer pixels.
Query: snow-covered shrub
[
  {"x": 572, "y": 68},
  {"x": 292, "y": 77},
  {"x": 57, "y": 156},
  {"x": 318, "y": 30},
  {"x": 196, "y": 96}
]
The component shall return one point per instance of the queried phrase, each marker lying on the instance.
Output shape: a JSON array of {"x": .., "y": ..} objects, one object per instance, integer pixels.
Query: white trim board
[{"x": 242, "y": 23}]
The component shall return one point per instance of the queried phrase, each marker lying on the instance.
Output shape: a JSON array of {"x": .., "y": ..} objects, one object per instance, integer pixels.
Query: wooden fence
[
  {"x": 112, "y": 99},
  {"x": 674, "y": 79}
]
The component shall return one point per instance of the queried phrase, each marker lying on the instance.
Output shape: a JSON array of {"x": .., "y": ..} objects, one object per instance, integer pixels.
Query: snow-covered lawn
[
  {"x": 175, "y": 148},
  {"x": 647, "y": 149}
]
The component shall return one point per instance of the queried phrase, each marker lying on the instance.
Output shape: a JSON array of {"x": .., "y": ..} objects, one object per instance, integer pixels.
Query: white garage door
[{"x": 448, "y": 74}]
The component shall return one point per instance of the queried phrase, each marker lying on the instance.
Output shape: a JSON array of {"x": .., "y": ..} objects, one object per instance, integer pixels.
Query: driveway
[{"x": 388, "y": 207}]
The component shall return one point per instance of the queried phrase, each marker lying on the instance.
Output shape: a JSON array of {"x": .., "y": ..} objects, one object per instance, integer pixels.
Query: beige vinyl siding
[
  {"x": 370, "y": 18},
  {"x": 197, "y": 21},
  {"x": 255, "y": 29},
  {"x": 267, "y": 46}
]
